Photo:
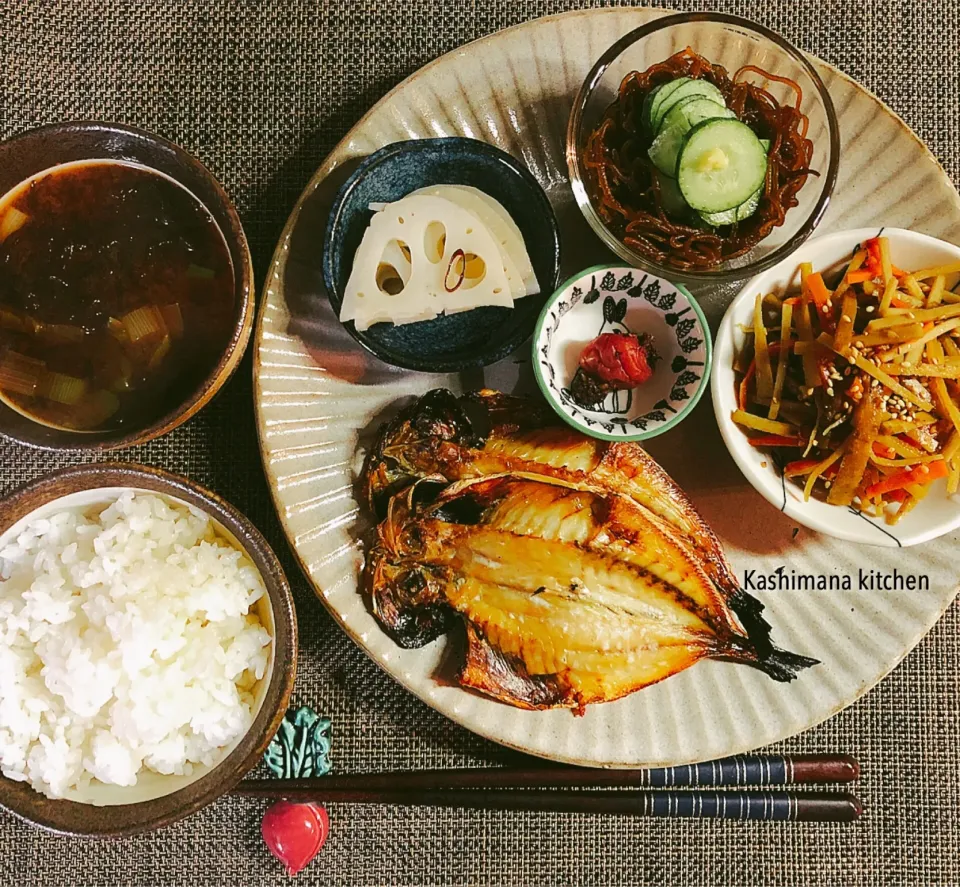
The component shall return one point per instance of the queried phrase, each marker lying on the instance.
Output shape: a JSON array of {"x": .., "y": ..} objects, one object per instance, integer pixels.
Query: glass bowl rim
[{"x": 577, "y": 178}]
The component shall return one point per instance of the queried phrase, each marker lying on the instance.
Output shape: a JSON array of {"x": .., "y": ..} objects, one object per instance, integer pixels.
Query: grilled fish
[
  {"x": 488, "y": 432},
  {"x": 578, "y": 568}
]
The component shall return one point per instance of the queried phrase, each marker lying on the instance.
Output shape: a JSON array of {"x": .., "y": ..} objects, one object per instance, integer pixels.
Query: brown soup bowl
[
  {"x": 104, "y": 811},
  {"x": 24, "y": 156}
]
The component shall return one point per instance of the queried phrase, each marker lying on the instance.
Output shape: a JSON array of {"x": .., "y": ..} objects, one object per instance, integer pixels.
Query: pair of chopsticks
[{"x": 699, "y": 791}]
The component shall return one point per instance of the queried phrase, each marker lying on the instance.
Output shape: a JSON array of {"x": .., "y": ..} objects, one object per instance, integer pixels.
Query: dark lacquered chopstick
[
  {"x": 768, "y": 805},
  {"x": 742, "y": 770}
]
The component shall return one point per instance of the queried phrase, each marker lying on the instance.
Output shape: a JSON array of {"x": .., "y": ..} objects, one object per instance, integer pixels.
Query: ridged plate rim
[{"x": 421, "y": 686}]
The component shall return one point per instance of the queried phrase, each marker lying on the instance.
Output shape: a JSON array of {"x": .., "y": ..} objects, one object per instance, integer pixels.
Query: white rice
[{"x": 127, "y": 642}]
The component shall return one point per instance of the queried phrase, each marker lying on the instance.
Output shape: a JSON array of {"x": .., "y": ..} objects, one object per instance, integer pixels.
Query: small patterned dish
[{"x": 621, "y": 299}]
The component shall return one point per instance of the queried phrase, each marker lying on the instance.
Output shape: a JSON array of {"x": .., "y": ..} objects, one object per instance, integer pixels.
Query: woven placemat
[{"x": 261, "y": 90}]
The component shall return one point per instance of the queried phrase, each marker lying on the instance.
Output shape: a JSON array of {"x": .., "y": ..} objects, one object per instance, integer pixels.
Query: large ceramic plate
[{"x": 319, "y": 397}]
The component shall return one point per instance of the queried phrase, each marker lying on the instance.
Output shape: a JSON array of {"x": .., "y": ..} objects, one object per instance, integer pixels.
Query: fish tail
[
  {"x": 782, "y": 665},
  {"x": 750, "y": 613}
]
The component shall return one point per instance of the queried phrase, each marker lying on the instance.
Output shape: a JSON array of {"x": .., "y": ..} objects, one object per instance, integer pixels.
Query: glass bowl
[{"x": 732, "y": 42}]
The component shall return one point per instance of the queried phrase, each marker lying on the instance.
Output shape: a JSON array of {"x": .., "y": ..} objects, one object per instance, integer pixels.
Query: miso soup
[{"x": 116, "y": 296}]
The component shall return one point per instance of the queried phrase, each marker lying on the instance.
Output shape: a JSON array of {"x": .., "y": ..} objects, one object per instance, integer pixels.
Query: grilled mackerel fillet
[{"x": 579, "y": 569}]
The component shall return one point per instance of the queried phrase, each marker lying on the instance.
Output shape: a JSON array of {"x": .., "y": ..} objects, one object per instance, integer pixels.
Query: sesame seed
[
  {"x": 871, "y": 309},
  {"x": 846, "y": 317}
]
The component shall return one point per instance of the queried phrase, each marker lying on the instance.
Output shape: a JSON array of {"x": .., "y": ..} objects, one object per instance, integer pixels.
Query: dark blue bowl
[{"x": 471, "y": 338}]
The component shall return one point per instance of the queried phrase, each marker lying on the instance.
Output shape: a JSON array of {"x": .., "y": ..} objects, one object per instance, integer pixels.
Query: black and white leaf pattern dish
[
  {"x": 593, "y": 294},
  {"x": 612, "y": 416},
  {"x": 609, "y": 309},
  {"x": 625, "y": 282}
]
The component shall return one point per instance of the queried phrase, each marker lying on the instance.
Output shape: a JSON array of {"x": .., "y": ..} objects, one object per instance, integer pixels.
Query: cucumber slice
[
  {"x": 702, "y": 88},
  {"x": 656, "y": 97},
  {"x": 651, "y": 97},
  {"x": 670, "y": 197},
  {"x": 721, "y": 164},
  {"x": 683, "y": 117},
  {"x": 737, "y": 214}
]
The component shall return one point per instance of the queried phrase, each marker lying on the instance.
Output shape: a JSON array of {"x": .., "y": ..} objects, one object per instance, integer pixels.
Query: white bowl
[{"x": 938, "y": 513}]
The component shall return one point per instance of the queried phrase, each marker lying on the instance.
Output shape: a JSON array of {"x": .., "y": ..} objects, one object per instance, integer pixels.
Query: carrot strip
[
  {"x": 799, "y": 467},
  {"x": 921, "y": 474},
  {"x": 818, "y": 290},
  {"x": 776, "y": 440},
  {"x": 859, "y": 276},
  {"x": 884, "y": 451},
  {"x": 855, "y": 263}
]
